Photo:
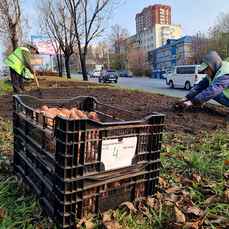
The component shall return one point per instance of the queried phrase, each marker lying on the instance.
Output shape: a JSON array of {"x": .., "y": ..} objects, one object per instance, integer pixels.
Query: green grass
[
  {"x": 182, "y": 156},
  {"x": 201, "y": 152}
]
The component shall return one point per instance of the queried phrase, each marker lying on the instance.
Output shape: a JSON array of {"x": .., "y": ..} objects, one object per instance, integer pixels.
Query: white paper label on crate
[{"x": 117, "y": 153}]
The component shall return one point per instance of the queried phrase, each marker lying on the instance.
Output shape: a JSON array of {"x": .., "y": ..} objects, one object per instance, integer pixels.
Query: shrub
[{"x": 48, "y": 73}]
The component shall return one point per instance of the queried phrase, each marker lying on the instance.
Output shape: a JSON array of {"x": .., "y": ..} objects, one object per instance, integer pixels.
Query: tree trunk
[
  {"x": 59, "y": 64},
  {"x": 14, "y": 38},
  {"x": 83, "y": 66},
  {"x": 67, "y": 67}
]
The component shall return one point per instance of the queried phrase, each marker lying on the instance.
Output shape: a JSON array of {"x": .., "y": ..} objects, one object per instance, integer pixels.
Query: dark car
[
  {"x": 126, "y": 73},
  {"x": 108, "y": 75}
]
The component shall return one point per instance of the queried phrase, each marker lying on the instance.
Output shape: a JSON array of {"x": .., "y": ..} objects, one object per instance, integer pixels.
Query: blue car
[{"x": 126, "y": 73}]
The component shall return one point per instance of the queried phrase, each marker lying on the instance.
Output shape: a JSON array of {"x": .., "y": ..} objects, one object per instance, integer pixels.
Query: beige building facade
[{"x": 155, "y": 36}]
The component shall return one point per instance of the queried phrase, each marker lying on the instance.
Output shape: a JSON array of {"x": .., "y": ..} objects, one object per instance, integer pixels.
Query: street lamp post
[{"x": 108, "y": 59}]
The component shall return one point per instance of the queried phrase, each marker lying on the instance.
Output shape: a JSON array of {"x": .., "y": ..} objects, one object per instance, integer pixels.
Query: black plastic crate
[
  {"x": 70, "y": 144},
  {"x": 66, "y": 156},
  {"x": 87, "y": 197}
]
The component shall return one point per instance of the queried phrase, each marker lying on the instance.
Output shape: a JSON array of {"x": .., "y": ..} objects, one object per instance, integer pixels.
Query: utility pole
[{"x": 108, "y": 59}]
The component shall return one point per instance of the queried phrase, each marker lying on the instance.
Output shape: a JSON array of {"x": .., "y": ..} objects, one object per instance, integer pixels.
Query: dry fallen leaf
[
  {"x": 184, "y": 203},
  {"x": 196, "y": 177},
  {"x": 182, "y": 156},
  {"x": 226, "y": 175},
  {"x": 216, "y": 198},
  {"x": 226, "y": 162},
  {"x": 173, "y": 189},
  {"x": 212, "y": 185},
  {"x": 142, "y": 221},
  {"x": 114, "y": 224},
  {"x": 129, "y": 205},
  {"x": 159, "y": 196},
  {"x": 172, "y": 198},
  {"x": 88, "y": 224},
  {"x": 109, "y": 221},
  {"x": 168, "y": 148},
  {"x": 176, "y": 140},
  {"x": 153, "y": 203},
  {"x": 108, "y": 217},
  {"x": 162, "y": 181},
  {"x": 192, "y": 225},
  {"x": 207, "y": 191},
  {"x": 185, "y": 193},
  {"x": 226, "y": 185},
  {"x": 194, "y": 210},
  {"x": 180, "y": 217},
  {"x": 227, "y": 193},
  {"x": 184, "y": 180},
  {"x": 220, "y": 220},
  {"x": 2, "y": 212},
  {"x": 201, "y": 141},
  {"x": 222, "y": 154}
]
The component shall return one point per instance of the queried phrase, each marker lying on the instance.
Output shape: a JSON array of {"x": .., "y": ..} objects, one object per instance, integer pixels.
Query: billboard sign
[
  {"x": 36, "y": 61},
  {"x": 44, "y": 44}
]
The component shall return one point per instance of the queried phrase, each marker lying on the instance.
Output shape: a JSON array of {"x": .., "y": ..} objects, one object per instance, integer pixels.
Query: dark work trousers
[{"x": 17, "y": 81}]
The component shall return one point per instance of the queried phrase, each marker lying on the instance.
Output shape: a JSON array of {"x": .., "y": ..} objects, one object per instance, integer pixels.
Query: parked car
[
  {"x": 80, "y": 71},
  {"x": 164, "y": 74},
  {"x": 185, "y": 76},
  {"x": 96, "y": 73},
  {"x": 6, "y": 72},
  {"x": 126, "y": 73},
  {"x": 108, "y": 75},
  {"x": 90, "y": 72}
]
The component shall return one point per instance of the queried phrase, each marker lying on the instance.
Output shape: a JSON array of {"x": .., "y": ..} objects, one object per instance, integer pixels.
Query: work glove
[
  {"x": 183, "y": 106},
  {"x": 179, "y": 101}
]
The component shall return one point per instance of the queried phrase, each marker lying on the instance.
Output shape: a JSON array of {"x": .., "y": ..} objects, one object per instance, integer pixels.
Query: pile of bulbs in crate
[{"x": 73, "y": 113}]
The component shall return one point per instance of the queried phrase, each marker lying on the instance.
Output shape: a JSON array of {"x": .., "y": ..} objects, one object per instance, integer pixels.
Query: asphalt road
[{"x": 145, "y": 84}]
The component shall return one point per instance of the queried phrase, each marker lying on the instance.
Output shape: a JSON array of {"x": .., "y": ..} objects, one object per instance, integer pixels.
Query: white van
[
  {"x": 96, "y": 73},
  {"x": 185, "y": 76}
]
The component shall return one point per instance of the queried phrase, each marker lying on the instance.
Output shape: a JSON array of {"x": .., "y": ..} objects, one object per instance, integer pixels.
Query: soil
[{"x": 204, "y": 119}]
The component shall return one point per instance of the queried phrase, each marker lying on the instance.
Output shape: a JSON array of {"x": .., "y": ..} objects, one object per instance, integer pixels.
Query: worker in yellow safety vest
[{"x": 18, "y": 61}]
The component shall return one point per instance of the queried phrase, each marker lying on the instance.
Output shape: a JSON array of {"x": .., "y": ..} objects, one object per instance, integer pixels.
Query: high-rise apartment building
[{"x": 151, "y": 15}]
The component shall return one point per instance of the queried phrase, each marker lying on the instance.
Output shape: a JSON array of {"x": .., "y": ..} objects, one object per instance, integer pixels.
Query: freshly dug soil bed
[{"x": 195, "y": 119}]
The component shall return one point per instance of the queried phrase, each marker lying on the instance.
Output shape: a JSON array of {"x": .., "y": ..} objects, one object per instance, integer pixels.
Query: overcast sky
[{"x": 193, "y": 16}]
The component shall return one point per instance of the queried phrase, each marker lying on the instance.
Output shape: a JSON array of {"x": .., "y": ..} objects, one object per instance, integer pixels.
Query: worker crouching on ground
[
  {"x": 18, "y": 61},
  {"x": 214, "y": 86}
]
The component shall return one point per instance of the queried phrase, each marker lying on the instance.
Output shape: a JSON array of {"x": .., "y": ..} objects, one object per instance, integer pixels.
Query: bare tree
[
  {"x": 13, "y": 27},
  {"x": 203, "y": 44},
  {"x": 138, "y": 62},
  {"x": 98, "y": 54},
  {"x": 222, "y": 22},
  {"x": 55, "y": 21},
  {"x": 197, "y": 49},
  {"x": 117, "y": 38},
  {"x": 90, "y": 19}
]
